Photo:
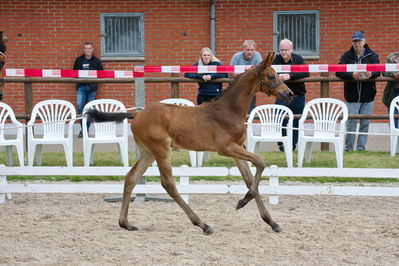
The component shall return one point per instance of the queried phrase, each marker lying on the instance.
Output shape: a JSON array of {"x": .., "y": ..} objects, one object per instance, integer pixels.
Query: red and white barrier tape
[
  {"x": 57, "y": 73},
  {"x": 140, "y": 70}
]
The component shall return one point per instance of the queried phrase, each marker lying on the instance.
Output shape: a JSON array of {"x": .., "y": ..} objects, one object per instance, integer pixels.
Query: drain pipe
[{"x": 212, "y": 25}]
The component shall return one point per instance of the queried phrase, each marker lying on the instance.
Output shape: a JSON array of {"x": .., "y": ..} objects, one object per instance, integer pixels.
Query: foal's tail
[{"x": 98, "y": 116}]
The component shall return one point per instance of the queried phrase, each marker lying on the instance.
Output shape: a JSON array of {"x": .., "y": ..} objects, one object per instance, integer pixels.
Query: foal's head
[{"x": 269, "y": 82}]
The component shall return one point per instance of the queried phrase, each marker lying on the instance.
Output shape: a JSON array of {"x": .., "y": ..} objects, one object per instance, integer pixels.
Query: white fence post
[
  {"x": 273, "y": 184},
  {"x": 184, "y": 181},
  {"x": 3, "y": 181}
]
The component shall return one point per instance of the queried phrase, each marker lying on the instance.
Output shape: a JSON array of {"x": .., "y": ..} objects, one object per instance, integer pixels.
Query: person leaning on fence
[
  {"x": 249, "y": 56},
  {"x": 207, "y": 90},
  {"x": 3, "y": 49},
  {"x": 359, "y": 95},
  {"x": 288, "y": 57},
  {"x": 392, "y": 88},
  {"x": 86, "y": 92}
]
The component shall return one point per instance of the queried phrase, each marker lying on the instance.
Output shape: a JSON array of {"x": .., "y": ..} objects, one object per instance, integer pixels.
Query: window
[
  {"x": 122, "y": 35},
  {"x": 302, "y": 28}
]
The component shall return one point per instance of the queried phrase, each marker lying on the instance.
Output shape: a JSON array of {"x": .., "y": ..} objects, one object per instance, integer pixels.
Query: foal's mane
[{"x": 231, "y": 85}]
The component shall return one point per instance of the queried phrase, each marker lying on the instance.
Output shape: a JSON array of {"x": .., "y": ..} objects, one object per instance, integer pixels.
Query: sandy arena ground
[{"x": 76, "y": 229}]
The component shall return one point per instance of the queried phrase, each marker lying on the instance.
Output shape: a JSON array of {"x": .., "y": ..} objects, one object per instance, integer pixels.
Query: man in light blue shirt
[{"x": 249, "y": 56}]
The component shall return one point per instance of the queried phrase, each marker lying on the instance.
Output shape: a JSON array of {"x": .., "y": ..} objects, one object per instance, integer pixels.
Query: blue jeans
[
  {"x": 84, "y": 95},
  {"x": 354, "y": 109},
  {"x": 296, "y": 105}
]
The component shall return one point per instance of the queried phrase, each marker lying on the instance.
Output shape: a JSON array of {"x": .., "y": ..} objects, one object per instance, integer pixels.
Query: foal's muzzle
[{"x": 286, "y": 95}]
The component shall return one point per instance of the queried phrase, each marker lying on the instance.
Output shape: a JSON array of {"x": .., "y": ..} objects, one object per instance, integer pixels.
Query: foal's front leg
[
  {"x": 169, "y": 184},
  {"x": 239, "y": 153}
]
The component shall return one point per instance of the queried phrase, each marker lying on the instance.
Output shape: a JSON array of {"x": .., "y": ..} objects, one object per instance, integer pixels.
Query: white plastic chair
[
  {"x": 52, "y": 115},
  {"x": 271, "y": 118},
  {"x": 392, "y": 130},
  {"x": 196, "y": 158},
  {"x": 325, "y": 113},
  {"x": 105, "y": 132},
  {"x": 6, "y": 113}
]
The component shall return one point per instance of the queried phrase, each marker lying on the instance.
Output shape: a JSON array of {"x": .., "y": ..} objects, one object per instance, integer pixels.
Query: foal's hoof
[
  {"x": 129, "y": 228},
  {"x": 241, "y": 203},
  {"x": 277, "y": 229},
  {"x": 207, "y": 230},
  {"x": 132, "y": 228}
]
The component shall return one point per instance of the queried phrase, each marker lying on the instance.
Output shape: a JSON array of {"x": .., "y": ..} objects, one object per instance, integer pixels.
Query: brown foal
[{"x": 216, "y": 126}]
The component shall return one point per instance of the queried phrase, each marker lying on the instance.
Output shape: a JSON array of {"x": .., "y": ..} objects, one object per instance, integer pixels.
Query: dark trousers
[
  {"x": 201, "y": 98},
  {"x": 252, "y": 105},
  {"x": 296, "y": 106}
]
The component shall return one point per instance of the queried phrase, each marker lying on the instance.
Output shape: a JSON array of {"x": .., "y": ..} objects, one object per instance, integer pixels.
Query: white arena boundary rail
[
  {"x": 183, "y": 186},
  {"x": 273, "y": 189}
]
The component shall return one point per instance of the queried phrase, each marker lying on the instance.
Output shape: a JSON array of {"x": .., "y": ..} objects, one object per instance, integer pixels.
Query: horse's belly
[{"x": 194, "y": 142}]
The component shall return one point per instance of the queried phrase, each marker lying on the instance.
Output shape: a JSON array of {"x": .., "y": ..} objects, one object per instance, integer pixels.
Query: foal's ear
[{"x": 268, "y": 60}]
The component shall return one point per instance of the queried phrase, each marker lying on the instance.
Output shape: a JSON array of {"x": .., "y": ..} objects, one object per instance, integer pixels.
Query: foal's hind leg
[
  {"x": 248, "y": 178},
  {"x": 169, "y": 184},
  {"x": 131, "y": 180},
  {"x": 239, "y": 153}
]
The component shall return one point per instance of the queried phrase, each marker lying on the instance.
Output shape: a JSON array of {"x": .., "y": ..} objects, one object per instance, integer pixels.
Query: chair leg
[
  {"x": 308, "y": 151},
  {"x": 397, "y": 144},
  {"x": 123, "y": 153},
  {"x": 200, "y": 157},
  {"x": 39, "y": 154},
  {"x": 339, "y": 155},
  {"x": 301, "y": 152},
  {"x": 87, "y": 154},
  {"x": 288, "y": 153},
  {"x": 31, "y": 154},
  {"x": 92, "y": 154},
  {"x": 20, "y": 153},
  {"x": 394, "y": 145},
  {"x": 68, "y": 155},
  {"x": 9, "y": 155},
  {"x": 193, "y": 158},
  {"x": 206, "y": 156}
]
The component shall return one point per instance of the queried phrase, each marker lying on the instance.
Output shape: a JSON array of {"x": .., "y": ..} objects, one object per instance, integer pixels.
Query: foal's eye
[{"x": 271, "y": 77}]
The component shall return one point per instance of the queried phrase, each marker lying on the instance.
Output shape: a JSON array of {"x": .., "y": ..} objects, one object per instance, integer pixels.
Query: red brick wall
[{"x": 49, "y": 34}]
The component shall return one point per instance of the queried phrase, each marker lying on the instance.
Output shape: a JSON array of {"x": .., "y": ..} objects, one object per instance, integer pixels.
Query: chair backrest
[
  {"x": 393, "y": 109},
  {"x": 178, "y": 101},
  {"x": 105, "y": 129},
  {"x": 271, "y": 118},
  {"x": 54, "y": 114},
  {"x": 6, "y": 113},
  {"x": 325, "y": 113}
]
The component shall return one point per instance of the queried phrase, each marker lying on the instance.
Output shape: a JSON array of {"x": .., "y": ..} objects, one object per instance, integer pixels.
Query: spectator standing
[
  {"x": 392, "y": 88},
  {"x": 249, "y": 56},
  {"x": 86, "y": 92},
  {"x": 359, "y": 95},
  {"x": 288, "y": 57},
  {"x": 207, "y": 90}
]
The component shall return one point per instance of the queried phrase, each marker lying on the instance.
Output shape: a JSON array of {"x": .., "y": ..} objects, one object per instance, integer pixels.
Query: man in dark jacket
[
  {"x": 287, "y": 57},
  {"x": 3, "y": 49},
  {"x": 86, "y": 92},
  {"x": 359, "y": 95}
]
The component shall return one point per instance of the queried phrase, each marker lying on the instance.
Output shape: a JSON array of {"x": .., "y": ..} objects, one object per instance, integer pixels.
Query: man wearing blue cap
[{"x": 359, "y": 95}]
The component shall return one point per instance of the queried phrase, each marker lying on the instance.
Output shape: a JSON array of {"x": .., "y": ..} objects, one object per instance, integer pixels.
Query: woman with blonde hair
[{"x": 206, "y": 90}]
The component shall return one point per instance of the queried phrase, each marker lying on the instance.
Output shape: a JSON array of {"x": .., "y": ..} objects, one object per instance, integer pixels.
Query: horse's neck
[{"x": 239, "y": 95}]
